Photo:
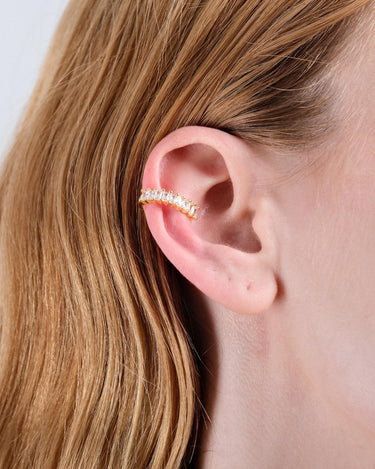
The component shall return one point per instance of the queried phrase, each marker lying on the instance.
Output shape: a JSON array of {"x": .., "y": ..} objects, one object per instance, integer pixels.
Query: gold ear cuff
[{"x": 165, "y": 197}]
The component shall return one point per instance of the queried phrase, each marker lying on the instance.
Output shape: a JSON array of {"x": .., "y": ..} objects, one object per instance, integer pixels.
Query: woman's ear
[{"x": 229, "y": 252}]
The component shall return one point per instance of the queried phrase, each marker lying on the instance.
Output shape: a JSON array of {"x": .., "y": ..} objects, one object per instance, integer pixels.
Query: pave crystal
[
  {"x": 157, "y": 194},
  {"x": 170, "y": 197}
]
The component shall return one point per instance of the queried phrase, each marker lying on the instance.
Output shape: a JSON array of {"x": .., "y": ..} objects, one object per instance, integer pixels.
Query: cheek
[{"x": 335, "y": 328}]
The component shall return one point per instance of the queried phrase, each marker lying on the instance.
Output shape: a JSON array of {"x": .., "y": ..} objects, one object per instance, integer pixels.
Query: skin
[{"x": 285, "y": 329}]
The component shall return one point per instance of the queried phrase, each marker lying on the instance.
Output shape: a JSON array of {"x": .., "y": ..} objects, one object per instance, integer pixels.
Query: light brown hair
[{"x": 97, "y": 362}]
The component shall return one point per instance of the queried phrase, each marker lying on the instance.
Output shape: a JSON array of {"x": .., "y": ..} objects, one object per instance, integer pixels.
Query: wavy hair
[{"x": 98, "y": 366}]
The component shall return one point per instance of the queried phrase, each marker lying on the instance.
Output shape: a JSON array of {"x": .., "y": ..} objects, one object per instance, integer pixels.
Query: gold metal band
[{"x": 163, "y": 196}]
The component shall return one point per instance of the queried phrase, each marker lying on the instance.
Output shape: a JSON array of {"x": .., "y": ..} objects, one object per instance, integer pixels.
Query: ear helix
[{"x": 166, "y": 197}]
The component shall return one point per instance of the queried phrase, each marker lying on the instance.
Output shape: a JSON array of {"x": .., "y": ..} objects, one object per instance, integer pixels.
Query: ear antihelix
[{"x": 168, "y": 197}]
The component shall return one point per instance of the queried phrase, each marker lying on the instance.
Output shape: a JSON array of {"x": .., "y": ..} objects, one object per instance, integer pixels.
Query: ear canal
[
  {"x": 232, "y": 229},
  {"x": 220, "y": 196},
  {"x": 163, "y": 196}
]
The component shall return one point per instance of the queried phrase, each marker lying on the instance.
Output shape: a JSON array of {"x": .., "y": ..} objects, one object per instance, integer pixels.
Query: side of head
[{"x": 202, "y": 98}]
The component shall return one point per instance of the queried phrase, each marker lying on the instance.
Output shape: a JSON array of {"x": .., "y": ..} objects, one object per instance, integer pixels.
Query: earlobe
[{"x": 225, "y": 246}]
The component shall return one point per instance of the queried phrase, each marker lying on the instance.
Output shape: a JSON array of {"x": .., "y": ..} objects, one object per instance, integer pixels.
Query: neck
[{"x": 261, "y": 410}]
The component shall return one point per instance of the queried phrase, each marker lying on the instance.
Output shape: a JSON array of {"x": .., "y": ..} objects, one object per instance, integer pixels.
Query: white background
[{"x": 26, "y": 28}]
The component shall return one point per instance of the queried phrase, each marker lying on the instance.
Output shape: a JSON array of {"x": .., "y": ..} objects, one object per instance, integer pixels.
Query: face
[{"x": 329, "y": 255}]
